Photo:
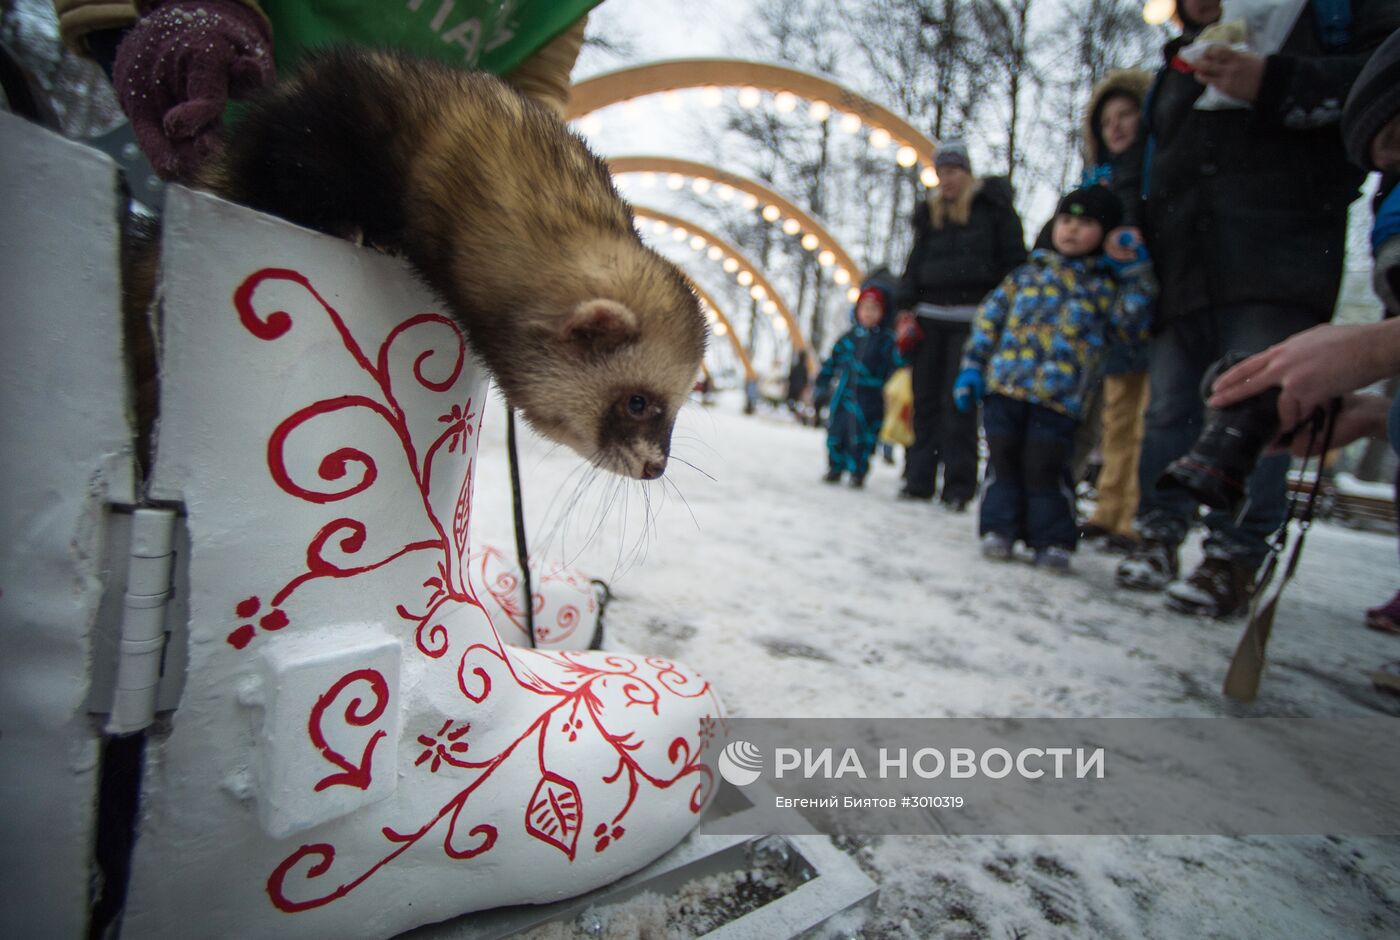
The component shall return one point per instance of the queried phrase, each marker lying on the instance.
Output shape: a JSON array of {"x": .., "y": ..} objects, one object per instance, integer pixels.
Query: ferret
[{"x": 507, "y": 215}]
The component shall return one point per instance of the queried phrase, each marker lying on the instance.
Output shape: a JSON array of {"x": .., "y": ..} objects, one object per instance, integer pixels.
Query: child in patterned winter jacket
[
  {"x": 1036, "y": 348},
  {"x": 860, "y": 362}
]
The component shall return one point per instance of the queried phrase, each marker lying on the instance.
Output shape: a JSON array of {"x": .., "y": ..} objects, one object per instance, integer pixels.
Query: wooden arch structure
[
  {"x": 613, "y": 87},
  {"x": 740, "y": 352},
  {"x": 799, "y": 341},
  {"x": 788, "y": 210}
]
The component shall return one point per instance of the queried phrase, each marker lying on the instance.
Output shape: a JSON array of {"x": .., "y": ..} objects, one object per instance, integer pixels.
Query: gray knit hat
[
  {"x": 1374, "y": 100},
  {"x": 952, "y": 153}
]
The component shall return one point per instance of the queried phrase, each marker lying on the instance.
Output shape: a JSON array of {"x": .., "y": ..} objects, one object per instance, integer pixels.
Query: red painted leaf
[{"x": 555, "y": 813}]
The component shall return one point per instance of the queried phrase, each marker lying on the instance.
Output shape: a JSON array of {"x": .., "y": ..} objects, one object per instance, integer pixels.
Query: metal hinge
[{"x": 141, "y": 637}]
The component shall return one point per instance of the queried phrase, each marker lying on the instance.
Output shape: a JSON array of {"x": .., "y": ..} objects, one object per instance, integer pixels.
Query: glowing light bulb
[
  {"x": 791, "y": 227},
  {"x": 721, "y": 329},
  {"x": 757, "y": 292},
  {"x": 771, "y": 213},
  {"x": 850, "y": 123},
  {"x": 675, "y": 181},
  {"x": 841, "y": 276},
  {"x": 810, "y": 242},
  {"x": 785, "y": 101},
  {"x": 826, "y": 258},
  {"x": 1157, "y": 12},
  {"x": 780, "y": 326},
  {"x": 697, "y": 243},
  {"x": 929, "y": 177},
  {"x": 770, "y": 307},
  {"x": 659, "y": 227},
  {"x": 700, "y": 185},
  {"x": 671, "y": 101},
  {"x": 649, "y": 180},
  {"x": 879, "y": 138},
  {"x": 853, "y": 294},
  {"x": 680, "y": 234},
  {"x": 731, "y": 265},
  {"x": 906, "y": 156},
  {"x": 711, "y": 96},
  {"x": 749, "y": 97},
  {"x": 750, "y": 201},
  {"x": 726, "y": 192},
  {"x": 715, "y": 253},
  {"x": 819, "y": 110},
  {"x": 745, "y": 278}
]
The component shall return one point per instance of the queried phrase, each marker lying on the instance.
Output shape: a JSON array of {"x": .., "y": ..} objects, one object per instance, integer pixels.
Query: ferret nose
[{"x": 653, "y": 469}]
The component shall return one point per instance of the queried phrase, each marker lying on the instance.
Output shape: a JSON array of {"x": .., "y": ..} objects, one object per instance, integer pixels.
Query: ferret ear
[{"x": 600, "y": 325}]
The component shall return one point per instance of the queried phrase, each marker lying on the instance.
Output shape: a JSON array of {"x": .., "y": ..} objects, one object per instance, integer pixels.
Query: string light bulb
[
  {"x": 826, "y": 258},
  {"x": 745, "y": 278},
  {"x": 771, "y": 213},
  {"x": 906, "y": 156},
  {"x": 791, "y": 227},
  {"x": 675, "y": 181},
  {"x": 810, "y": 242},
  {"x": 731, "y": 265},
  {"x": 697, "y": 243},
  {"x": 711, "y": 96},
  {"x": 749, "y": 97},
  {"x": 853, "y": 294},
  {"x": 841, "y": 276},
  {"x": 850, "y": 123},
  {"x": 715, "y": 253},
  {"x": 819, "y": 110},
  {"x": 726, "y": 192},
  {"x": 700, "y": 185},
  {"x": 785, "y": 101},
  {"x": 929, "y": 177},
  {"x": 879, "y": 138},
  {"x": 1157, "y": 12}
]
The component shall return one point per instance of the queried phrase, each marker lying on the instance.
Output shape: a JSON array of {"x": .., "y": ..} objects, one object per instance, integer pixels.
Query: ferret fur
[{"x": 507, "y": 215}]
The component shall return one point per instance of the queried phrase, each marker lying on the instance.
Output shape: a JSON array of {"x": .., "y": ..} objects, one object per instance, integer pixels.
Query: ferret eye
[{"x": 637, "y": 405}]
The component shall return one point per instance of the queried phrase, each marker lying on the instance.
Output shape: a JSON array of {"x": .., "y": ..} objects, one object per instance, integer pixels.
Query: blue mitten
[
  {"x": 968, "y": 389},
  {"x": 1138, "y": 264}
]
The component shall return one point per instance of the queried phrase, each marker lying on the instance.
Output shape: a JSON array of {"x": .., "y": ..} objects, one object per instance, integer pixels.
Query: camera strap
[{"x": 1247, "y": 666}]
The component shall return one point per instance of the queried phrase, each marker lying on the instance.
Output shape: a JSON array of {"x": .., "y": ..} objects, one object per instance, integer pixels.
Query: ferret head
[{"x": 607, "y": 374}]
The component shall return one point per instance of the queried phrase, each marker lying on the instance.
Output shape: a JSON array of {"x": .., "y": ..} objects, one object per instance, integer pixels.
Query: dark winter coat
[
  {"x": 957, "y": 265},
  {"x": 861, "y": 362},
  {"x": 1250, "y": 205}
]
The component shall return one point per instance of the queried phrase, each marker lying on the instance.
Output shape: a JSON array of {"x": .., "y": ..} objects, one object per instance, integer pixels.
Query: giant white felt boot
[{"x": 356, "y": 750}]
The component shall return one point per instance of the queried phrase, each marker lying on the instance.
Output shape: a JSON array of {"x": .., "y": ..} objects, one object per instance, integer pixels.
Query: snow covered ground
[{"x": 800, "y": 599}]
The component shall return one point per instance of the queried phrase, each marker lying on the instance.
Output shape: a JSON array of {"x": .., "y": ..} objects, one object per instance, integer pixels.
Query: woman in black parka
[{"x": 967, "y": 237}]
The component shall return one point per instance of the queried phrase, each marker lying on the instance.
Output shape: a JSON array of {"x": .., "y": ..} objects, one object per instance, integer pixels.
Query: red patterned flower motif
[
  {"x": 460, "y": 424},
  {"x": 441, "y": 751},
  {"x": 707, "y": 731},
  {"x": 248, "y": 608},
  {"x": 606, "y": 838}
]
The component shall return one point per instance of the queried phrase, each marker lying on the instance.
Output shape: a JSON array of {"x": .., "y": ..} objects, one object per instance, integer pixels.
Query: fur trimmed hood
[{"x": 1134, "y": 82}]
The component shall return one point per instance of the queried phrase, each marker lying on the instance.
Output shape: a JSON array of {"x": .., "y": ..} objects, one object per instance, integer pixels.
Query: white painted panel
[
  {"x": 322, "y": 437},
  {"x": 65, "y": 448}
]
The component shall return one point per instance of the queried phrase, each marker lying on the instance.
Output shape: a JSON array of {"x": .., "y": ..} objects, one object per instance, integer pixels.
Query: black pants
[
  {"x": 1028, "y": 498},
  {"x": 942, "y": 434}
]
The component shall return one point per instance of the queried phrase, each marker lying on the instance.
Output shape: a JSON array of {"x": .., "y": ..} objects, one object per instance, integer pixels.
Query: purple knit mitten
[{"x": 176, "y": 70}]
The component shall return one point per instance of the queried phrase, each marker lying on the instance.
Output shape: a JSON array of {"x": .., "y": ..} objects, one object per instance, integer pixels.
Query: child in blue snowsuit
[
  {"x": 1036, "y": 349},
  {"x": 860, "y": 362}
]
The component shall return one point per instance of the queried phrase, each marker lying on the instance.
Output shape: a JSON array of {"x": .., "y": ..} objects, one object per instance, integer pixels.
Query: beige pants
[{"x": 1124, "y": 404}]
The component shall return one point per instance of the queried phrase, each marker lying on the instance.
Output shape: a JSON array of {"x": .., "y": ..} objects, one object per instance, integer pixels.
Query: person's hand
[
  {"x": 1122, "y": 243},
  {"x": 907, "y": 335},
  {"x": 1231, "y": 71},
  {"x": 1360, "y": 416},
  {"x": 176, "y": 70},
  {"x": 968, "y": 389},
  {"x": 1313, "y": 367}
]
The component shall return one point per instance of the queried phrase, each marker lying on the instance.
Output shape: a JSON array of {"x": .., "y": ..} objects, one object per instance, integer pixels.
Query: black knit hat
[
  {"x": 1374, "y": 100},
  {"x": 1093, "y": 202}
]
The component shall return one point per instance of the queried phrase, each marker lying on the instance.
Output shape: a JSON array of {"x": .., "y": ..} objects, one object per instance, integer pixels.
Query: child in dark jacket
[
  {"x": 860, "y": 362},
  {"x": 1036, "y": 348}
]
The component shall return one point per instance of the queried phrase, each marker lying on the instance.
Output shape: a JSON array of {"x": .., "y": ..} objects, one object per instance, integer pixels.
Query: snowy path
[{"x": 800, "y": 599}]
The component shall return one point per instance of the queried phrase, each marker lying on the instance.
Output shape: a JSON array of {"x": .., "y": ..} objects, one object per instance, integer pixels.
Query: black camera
[{"x": 1216, "y": 470}]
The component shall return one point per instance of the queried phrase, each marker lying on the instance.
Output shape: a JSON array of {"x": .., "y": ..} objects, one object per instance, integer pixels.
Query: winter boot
[
  {"x": 832, "y": 476},
  {"x": 1150, "y": 567},
  {"x": 1053, "y": 558},
  {"x": 1219, "y": 587},
  {"x": 996, "y": 546},
  {"x": 1385, "y": 618},
  {"x": 857, "y": 481}
]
